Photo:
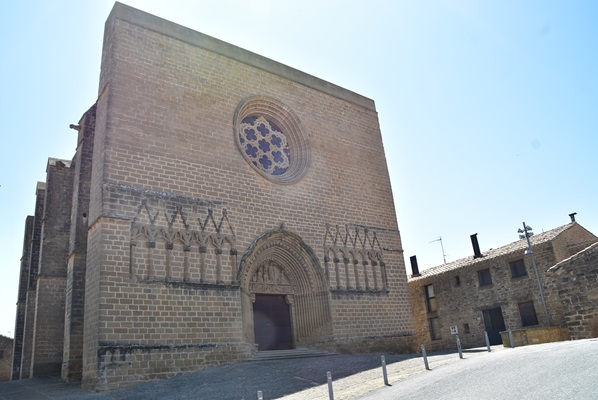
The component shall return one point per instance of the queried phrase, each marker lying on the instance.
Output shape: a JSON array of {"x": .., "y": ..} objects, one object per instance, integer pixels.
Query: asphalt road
[{"x": 563, "y": 370}]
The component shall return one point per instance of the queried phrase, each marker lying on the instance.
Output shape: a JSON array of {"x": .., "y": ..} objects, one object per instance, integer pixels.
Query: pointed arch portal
[{"x": 285, "y": 296}]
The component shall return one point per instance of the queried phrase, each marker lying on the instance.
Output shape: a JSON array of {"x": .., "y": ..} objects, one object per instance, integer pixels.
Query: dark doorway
[
  {"x": 495, "y": 324},
  {"x": 272, "y": 322}
]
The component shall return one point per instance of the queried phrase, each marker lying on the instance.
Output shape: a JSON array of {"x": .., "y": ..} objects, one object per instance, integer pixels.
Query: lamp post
[{"x": 526, "y": 232}]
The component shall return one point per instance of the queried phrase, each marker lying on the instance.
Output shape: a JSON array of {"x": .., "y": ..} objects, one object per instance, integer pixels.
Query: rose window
[
  {"x": 265, "y": 145},
  {"x": 271, "y": 139}
]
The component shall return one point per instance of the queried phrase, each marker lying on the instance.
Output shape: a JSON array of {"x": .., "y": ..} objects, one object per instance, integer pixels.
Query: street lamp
[{"x": 526, "y": 232}]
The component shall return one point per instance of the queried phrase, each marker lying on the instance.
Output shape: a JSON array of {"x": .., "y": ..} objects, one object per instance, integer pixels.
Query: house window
[
  {"x": 434, "y": 328},
  {"x": 484, "y": 277},
  {"x": 430, "y": 298},
  {"x": 457, "y": 281},
  {"x": 528, "y": 314},
  {"x": 466, "y": 328},
  {"x": 517, "y": 268}
]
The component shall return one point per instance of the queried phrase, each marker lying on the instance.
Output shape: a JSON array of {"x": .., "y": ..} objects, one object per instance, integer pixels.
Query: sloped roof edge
[
  {"x": 519, "y": 245},
  {"x": 580, "y": 253}
]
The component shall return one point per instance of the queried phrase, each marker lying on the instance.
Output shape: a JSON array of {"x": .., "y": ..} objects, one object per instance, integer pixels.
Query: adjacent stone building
[
  {"x": 6, "y": 348},
  {"x": 218, "y": 204},
  {"x": 497, "y": 290},
  {"x": 576, "y": 282}
]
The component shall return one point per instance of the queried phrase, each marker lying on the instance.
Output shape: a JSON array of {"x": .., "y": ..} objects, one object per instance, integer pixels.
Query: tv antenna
[{"x": 441, "y": 246}]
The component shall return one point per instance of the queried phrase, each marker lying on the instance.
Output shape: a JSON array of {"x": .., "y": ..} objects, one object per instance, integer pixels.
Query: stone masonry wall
[
  {"x": 156, "y": 329},
  {"x": 576, "y": 281},
  {"x": 6, "y": 348},
  {"x": 49, "y": 327},
  {"x": 27, "y": 352},
  {"x": 17, "y": 352},
  {"x": 75, "y": 286},
  {"x": 463, "y": 304},
  {"x": 165, "y": 140},
  {"x": 572, "y": 241},
  {"x": 91, "y": 316},
  {"x": 51, "y": 282}
]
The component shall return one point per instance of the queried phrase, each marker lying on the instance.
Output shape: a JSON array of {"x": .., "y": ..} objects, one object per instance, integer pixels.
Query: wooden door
[
  {"x": 494, "y": 323},
  {"x": 272, "y": 322}
]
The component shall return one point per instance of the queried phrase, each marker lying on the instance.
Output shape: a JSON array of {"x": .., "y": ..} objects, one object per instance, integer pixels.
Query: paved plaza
[{"x": 359, "y": 376}]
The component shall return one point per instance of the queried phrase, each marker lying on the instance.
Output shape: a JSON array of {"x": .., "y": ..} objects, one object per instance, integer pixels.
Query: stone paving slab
[{"x": 295, "y": 379}]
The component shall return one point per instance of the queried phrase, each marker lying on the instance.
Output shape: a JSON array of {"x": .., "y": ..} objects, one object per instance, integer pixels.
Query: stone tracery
[{"x": 271, "y": 139}]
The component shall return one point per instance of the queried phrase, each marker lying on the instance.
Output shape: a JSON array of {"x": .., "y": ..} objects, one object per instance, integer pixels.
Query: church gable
[{"x": 217, "y": 178}]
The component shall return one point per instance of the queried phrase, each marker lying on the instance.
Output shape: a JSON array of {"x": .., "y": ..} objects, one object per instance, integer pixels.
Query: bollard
[
  {"x": 330, "y": 393},
  {"x": 260, "y": 396},
  {"x": 511, "y": 339},
  {"x": 425, "y": 357},
  {"x": 384, "y": 371},
  {"x": 487, "y": 341},
  {"x": 459, "y": 348}
]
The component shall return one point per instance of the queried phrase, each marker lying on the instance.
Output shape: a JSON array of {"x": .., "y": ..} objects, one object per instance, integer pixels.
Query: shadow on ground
[{"x": 238, "y": 381}]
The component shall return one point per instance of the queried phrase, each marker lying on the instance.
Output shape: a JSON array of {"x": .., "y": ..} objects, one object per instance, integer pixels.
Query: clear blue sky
[{"x": 488, "y": 109}]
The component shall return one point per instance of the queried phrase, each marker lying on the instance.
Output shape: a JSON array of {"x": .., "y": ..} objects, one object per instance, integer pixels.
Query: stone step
[{"x": 287, "y": 354}]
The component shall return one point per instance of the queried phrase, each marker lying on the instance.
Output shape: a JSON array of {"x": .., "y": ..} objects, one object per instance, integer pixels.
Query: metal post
[
  {"x": 487, "y": 341},
  {"x": 260, "y": 396},
  {"x": 459, "y": 347},
  {"x": 330, "y": 393},
  {"x": 425, "y": 357},
  {"x": 511, "y": 339},
  {"x": 529, "y": 246},
  {"x": 384, "y": 371}
]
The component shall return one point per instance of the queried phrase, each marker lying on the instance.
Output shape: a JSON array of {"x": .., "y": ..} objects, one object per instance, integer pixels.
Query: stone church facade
[{"x": 218, "y": 204}]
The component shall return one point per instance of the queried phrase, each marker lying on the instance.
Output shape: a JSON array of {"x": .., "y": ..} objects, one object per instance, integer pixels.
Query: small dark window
[
  {"x": 466, "y": 328},
  {"x": 434, "y": 328},
  {"x": 528, "y": 314},
  {"x": 517, "y": 268},
  {"x": 457, "y": 280},
  {"x": 430, "y": 298},
  {"x": 1, "y": 353},
  {"x": 484, "y": 277}
]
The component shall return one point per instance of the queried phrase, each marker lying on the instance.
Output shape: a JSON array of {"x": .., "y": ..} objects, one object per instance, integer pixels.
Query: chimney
[
  {"x": 476, "y": 247},
  {"x": 414, "y": 268},
  {"x": 572, "y": 216}
]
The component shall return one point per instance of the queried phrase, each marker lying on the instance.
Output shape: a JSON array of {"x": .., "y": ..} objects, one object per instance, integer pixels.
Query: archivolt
[
  {"x": 310, "y": 301},
  {"x": 287, "y": 250}
]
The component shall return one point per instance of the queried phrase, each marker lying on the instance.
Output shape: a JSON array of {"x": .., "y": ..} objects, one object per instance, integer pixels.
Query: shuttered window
[
  {"x": 528, "y": 314},
  {"x": 484, "y": 277},
  {"x": 430, "y": 298}
]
